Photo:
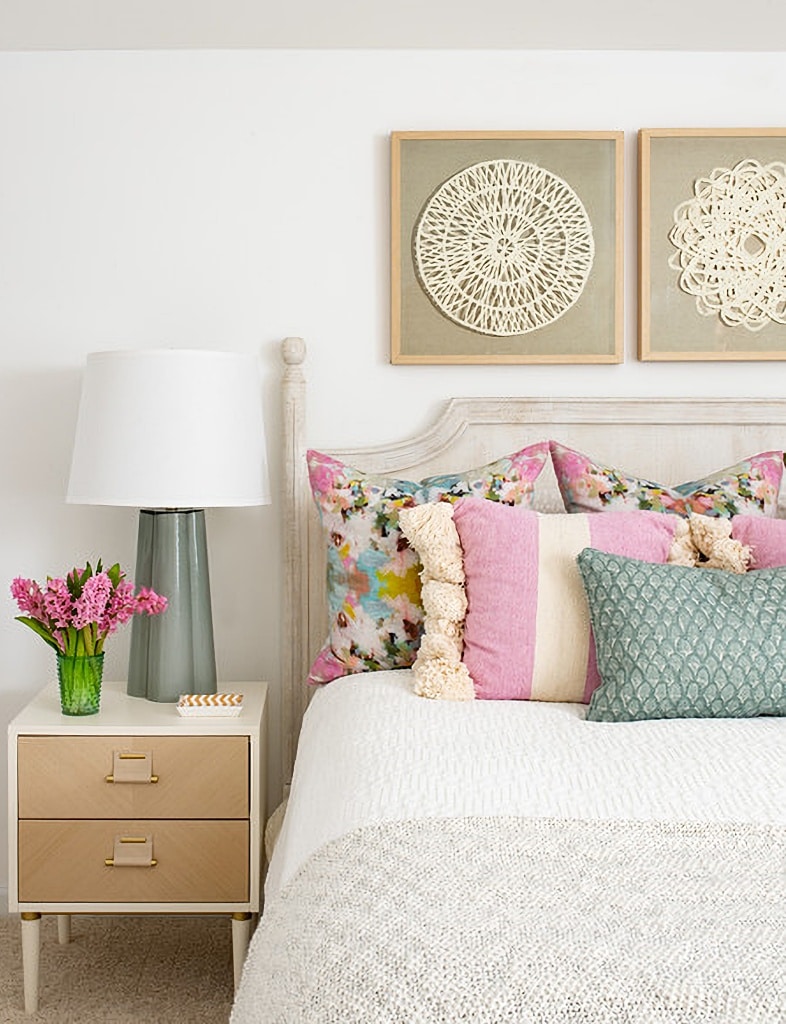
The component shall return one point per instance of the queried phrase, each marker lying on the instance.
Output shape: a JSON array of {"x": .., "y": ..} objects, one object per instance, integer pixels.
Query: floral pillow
[
  {"x": 373, "y": 582},
  {"x": 749, "y": 488}
]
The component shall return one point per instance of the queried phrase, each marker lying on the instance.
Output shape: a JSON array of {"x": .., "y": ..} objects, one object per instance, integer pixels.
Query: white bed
[
  {"x": 509, "y": 860},
  {"x": 372, "y": 751}
]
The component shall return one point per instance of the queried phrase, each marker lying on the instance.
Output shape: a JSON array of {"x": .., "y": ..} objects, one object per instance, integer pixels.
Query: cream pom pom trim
[
  {"x": 706, "y": 542},
  {"x": 682, "y": 551},
  {"x": 432, "y": 533},
  {"x": 714, "y": 543},
  {"x": 438, "y": 671}
]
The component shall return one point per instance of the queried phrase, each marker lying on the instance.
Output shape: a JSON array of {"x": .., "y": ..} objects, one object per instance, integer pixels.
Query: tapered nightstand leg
[
  {"x": 63, "y": 929},
  {"x": 241, "y": 933},
  {"x": 31, "y": 949}
]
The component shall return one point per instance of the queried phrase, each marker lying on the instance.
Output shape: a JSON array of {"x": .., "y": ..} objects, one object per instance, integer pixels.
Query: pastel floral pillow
[
  {"x": 749, "y": 488},
  {"x": 373, "y": 576}
]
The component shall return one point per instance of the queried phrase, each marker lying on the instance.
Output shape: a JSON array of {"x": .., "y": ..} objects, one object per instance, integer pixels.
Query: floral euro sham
[
  {"x": 749, "y": 488},
  {"x": 373, "y": 576}
]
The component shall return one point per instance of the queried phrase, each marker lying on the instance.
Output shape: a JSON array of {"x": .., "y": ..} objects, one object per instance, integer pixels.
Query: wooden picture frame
[
  {"x": 506, "y": 247},
  {"x": 712, "y": 266}
]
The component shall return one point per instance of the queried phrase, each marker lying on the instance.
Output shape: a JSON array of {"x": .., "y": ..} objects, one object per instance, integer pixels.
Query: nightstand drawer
[
  {"x": 196, "y": 862},
  {"x": 197, "y": 777}
]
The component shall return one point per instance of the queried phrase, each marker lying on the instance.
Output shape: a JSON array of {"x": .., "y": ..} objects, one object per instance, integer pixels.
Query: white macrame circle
[
  {"x": 504, "y": 247},
  {"x": 731, "y": 244}
]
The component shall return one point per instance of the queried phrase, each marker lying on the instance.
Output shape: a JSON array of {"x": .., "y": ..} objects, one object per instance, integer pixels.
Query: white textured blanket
[
  {"x": 371, "y": 751},
  {"x": 517, "y": 920}
]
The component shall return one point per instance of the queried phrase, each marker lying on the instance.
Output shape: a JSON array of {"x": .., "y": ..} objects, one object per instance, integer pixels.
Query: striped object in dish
[{"x": 192, "y": 704}]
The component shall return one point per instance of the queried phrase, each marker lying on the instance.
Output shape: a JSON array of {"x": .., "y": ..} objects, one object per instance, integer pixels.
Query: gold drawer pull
[
  {"x": 111, "y": 778},
  {"x": 132, "y": 852},
  {"x": 128, "y": 766},
  {"x": 110, "y": 862}
]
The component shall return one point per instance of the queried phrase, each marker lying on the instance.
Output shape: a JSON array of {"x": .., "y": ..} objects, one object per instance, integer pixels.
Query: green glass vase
[{"x": 80, "y": 678}]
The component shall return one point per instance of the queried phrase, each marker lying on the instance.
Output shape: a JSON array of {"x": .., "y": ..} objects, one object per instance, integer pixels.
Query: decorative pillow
[
  {"x": 526, "y": 632},
  {"x": 750, "y": 487},
  {"x": 673, "y": 642},
  {"x": 373, "y": 584}
]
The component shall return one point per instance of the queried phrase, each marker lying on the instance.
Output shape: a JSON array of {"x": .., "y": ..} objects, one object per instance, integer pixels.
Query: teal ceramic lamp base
[{"x": 173, "y": 653}]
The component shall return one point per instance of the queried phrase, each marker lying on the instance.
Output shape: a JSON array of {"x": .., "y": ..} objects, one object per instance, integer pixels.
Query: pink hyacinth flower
[
  {"x": 28, "y": 597},
  {"x": 149, "y": 601},
  {"x": 91, "y": 604},
  {"x": 120, "y": 608},
  {"x": 58, "y": 604}
]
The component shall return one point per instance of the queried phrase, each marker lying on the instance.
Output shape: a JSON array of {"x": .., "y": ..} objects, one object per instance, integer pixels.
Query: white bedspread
[
  {"x": 371, "y": 751},
  {"x": 527, "y": 921}
]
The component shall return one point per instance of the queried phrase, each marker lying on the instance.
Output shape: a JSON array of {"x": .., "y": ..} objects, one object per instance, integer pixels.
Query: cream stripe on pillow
[{"x": 562, "y": 623}]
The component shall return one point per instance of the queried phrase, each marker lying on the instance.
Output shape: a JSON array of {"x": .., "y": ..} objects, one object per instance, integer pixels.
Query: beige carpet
[{"x": 123, "y": 970}]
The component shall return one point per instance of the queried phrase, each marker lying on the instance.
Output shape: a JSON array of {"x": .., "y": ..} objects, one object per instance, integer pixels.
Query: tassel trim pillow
[{"x": 510, "y": 619}]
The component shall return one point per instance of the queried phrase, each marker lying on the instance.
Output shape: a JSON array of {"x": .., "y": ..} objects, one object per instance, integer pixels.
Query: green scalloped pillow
[{"x": 676, "y": 642}]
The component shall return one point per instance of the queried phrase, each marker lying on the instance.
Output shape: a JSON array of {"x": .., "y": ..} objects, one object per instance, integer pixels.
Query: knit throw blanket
[{"x": 492, "y": 920}]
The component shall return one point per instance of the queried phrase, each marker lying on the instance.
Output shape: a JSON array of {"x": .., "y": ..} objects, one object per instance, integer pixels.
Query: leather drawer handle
[
  {"x": 129, "y": 766},
  {"x": 132, "y": 852}
]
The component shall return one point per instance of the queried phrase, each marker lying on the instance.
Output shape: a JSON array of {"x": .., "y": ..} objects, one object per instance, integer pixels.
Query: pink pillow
[
  {"x": 527, "y": 629},
  {"x": 765, "y": 537}
]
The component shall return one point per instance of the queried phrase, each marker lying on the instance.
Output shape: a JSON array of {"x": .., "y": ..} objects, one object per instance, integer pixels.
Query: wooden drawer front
[
  {"x": 197, "y": 862},
  {"x": 198, "y": 777}
]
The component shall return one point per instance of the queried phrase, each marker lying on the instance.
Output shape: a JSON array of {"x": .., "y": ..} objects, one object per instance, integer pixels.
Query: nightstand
[{"x": 134, "y": 810}]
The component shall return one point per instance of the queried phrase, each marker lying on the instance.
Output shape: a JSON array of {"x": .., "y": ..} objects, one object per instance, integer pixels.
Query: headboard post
[{"x": 295, "y": 583}]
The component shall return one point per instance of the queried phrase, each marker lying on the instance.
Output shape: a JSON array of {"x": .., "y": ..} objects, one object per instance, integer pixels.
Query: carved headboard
[{"x": 670, "y": 440}]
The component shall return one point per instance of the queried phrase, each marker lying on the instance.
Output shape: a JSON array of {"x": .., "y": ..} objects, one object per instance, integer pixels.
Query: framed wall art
[
  {"x": 506, "y": 247},
  {"x": 712, "y": 243}
]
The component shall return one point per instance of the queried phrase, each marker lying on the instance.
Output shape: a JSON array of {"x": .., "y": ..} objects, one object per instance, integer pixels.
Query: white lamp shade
[{"x": 170, "y": 428}]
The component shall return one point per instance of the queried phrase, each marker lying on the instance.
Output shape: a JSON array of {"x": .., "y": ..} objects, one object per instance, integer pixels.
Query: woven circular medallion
[
  {"x": 730, "y": 244},
  {"x": 503, "y": 247}
]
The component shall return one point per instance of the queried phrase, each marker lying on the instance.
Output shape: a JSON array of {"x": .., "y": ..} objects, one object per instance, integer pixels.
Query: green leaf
[
  {"x": 38, "y": 628},
  {"x": 115, "y": 575},
  {"x": 74, "y": 584}
]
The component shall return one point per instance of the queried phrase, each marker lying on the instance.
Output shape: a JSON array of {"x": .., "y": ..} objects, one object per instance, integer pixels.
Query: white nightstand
[{"x": 183, "y": 835}]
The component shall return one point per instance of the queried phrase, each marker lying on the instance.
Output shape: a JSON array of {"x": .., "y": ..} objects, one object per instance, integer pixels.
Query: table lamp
[{"x": 171, "y": 432}]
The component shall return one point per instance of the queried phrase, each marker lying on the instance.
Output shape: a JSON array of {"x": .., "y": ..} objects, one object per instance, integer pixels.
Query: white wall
[{"x": 227, "y": 199}]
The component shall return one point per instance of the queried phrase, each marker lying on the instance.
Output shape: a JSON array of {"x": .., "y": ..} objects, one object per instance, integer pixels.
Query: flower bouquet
[{"x": 74, "y": 616}]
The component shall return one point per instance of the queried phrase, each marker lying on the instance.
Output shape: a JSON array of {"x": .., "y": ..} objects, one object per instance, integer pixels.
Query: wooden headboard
[{"x": 670, "y": 440}]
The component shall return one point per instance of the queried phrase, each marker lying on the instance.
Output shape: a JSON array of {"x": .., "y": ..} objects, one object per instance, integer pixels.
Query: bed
[{"x": 532, "y": 857}]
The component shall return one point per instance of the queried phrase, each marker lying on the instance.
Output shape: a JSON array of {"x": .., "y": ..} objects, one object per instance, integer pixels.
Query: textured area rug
[{"x": 123, "y": 970}]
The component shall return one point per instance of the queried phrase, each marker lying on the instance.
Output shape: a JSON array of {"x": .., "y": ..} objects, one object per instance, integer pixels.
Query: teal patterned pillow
[{"x": 676, "y": 642}]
